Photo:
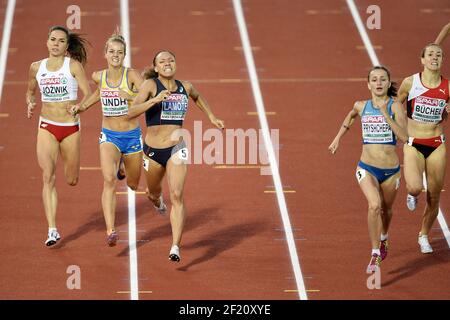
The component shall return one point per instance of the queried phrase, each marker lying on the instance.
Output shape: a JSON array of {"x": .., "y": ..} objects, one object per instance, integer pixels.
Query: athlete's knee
[
  {"x": 176, "y": 196},
  {"x": 109, "y": 181},
  {"x": 48, "y": 178},
  {"x": 375, "y": 207},
  {"x": 433, "y": 199}
]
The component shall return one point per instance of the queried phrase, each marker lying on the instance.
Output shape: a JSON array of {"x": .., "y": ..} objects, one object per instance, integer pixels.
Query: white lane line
[
  {"x": 440, "y": 217},
  {"x": 269, "y": 147},
  {"x": 375, "y": 61},
  {"x": 7, "y": 26},
  {"x": 363, "y": 32},
  {"x": 134, "y": 290}
]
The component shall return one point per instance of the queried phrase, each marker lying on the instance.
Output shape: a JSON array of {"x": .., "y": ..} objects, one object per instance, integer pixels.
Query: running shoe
[
  {"x": 411, "y": 202},
  {"x": 52, "y": 238},
  {"x": 162, "y": 209},
  {"x": 174, "y": 254},
  {"x": 112, "y": 239},
  {"x": 374, "y": 263},
  {"x": 425, "y": 246},
  {"x": 121, "y": 172},
  {"x": 384, "y": 249}
]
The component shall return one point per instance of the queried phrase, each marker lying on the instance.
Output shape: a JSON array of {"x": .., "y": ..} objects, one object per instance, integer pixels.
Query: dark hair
[
  {"x": 151, "y": 72},
  {"x": 392, "y": 91},
  {"x": 431, "y": 45},
  {"x": 117, "y": 37},
  {"x": 77, "y": 44}
]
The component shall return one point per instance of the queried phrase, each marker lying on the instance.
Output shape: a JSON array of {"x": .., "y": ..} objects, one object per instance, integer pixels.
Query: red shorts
[
  {"x": 60, "y": 130},
  {"x": 426, "y": 146}
]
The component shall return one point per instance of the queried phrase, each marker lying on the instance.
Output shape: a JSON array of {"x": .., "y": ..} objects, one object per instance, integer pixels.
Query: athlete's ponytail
[
  {"x": 151, "y": 72},
  {"x": 392, "y": 91},
  {"x": 76, "y": 44}
]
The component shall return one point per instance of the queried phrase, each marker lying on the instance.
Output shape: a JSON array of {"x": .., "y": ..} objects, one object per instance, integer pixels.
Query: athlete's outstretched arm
[
  {"x": 203, "y": 105},
  {"x": 145, "y": 100},
  {"x": 346, "y": 124},
  {"x": 443, "y": 34},
  {"x": 30, "y": 96}
]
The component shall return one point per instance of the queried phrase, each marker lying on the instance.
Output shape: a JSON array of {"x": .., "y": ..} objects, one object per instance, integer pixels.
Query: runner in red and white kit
[
  {"x": 59, "y": 78},
  {"x": 427, "y": 95}
]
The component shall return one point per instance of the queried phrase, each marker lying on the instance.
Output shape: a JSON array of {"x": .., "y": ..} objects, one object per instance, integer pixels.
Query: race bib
[
  {"x": 174, "y": 107},
  {"x": 112, "y": 104},
  {"x": 360, "y": 174},
  {"x": 375, "y": 129},
  {"x": 54, "y": 89},
  {"x": 428, "y": 109}
]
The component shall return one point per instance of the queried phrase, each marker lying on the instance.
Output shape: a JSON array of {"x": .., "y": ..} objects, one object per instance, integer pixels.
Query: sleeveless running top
[
  {"x": 170, "y": 111},
  {"x": 57, "y": 86},
  {"x": 424, "y": 104},
  {"x": 112, "y": 104},
  {"x": 375, "y": 129}
]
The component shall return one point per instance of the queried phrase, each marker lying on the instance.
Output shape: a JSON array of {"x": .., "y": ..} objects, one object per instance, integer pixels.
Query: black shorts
[{"x": 163, "y": 155}]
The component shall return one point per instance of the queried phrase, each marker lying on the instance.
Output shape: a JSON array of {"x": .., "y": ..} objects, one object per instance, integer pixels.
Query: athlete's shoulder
[
  {"x": 34, "y": 66},
  {"x": 149, "y": 84},
  {"x": 134, "y": 75},
  {"x": 359, "y": 105},
  {"x": 75, "y": 66},
  {"x": 408, "y": 80},
  {"x": 75, "y": 62},
  {"x": 186, "y": 84},
  {"x": 96, "y": 75}
]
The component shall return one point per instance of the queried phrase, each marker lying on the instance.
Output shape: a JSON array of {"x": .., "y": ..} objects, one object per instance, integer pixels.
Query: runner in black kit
[{"x": 164, "y": 101}]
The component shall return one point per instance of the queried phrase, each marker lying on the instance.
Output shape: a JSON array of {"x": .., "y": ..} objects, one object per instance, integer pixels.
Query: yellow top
[{"x": 112, "y": 104}]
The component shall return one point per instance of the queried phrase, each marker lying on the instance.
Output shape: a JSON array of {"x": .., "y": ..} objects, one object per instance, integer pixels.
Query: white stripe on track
[
  {"x": 269, "y": 147},
  {"x": 7, "y": 26},
  {"x": 440, "y": 217},
  {"x": 375, "y": 61},
  {"x": 134, "y": 290},
  {"x": 362, "y": 32}
]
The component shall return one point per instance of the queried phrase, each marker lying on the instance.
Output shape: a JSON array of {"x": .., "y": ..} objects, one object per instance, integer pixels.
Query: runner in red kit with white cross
[{"x": 427, "y": 95}]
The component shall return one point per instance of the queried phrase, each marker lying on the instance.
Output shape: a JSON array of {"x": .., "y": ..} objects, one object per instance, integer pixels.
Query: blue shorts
[
  {"x": 380, "y": 174},
  {"x": 127, "y": 142}
]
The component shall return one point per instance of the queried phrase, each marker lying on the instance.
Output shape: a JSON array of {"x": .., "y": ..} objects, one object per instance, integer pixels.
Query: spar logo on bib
[
  {"x": 50, "y": 81},
  {"x": 428, "y": 109}
]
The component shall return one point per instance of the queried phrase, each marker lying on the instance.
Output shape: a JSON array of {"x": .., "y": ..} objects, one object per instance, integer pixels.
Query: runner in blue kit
[
  {"x": 378, "y": 171},
  {"x": 120, "y": 137},
  {"x": 164, "y": 100},
  {"x": 58, "y": 77}
]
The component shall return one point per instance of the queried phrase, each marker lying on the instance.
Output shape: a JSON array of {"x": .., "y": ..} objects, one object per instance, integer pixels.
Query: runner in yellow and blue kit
[
  {"x": 378, "y": 171},
  {"x": 120, "y": 137}
]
